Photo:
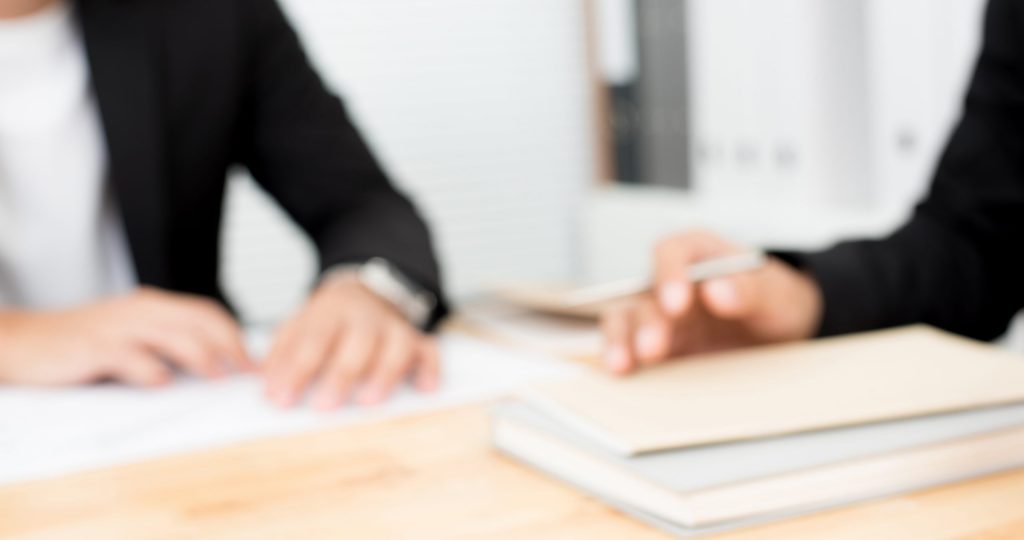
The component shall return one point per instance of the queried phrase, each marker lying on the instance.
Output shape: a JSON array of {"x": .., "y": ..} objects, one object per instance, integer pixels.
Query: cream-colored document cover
[
  {"x": 782, "y": 389},
  {"x": 551, "y": 299}
]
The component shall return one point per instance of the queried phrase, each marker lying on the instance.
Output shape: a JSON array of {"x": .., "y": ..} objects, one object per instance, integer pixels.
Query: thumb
[
  {"x": 778, "y": 299},
  {"x": 731, "y": 298},
  {"x": 749, "y": 294},
  {"x": 138, "y": 368}
]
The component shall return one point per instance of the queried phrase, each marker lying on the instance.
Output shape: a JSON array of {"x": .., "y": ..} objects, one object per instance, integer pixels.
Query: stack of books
[{"x": 733, "y": 439}]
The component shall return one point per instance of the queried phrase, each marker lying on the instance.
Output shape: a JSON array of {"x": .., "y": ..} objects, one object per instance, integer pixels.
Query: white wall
[
  {"x": 481, "y": 111},
  {"x": 843, "y": 103},
  {"x": 920, "y": 57}
]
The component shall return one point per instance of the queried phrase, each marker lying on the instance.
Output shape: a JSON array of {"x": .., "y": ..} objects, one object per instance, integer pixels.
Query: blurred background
[{"x": 553, "y": 140}]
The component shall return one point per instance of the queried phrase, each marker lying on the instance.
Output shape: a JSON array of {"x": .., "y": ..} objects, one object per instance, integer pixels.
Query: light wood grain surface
[{"x": 424, "y": 477}]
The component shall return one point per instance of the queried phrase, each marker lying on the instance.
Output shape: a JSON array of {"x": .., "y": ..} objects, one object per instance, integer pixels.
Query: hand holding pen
[{"x": 708, "y": 294}]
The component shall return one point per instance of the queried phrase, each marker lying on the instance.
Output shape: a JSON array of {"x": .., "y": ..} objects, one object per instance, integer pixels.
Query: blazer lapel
[{"x": 123, "y": 54}]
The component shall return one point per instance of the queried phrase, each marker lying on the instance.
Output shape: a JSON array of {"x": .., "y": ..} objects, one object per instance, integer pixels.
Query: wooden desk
[{"x": 425, "y": 477}]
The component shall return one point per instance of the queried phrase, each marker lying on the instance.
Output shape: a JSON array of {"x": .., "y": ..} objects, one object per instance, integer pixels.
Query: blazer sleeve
[
  {"x": 958, "y": 263},
  {"x": 302, "y": 147}
]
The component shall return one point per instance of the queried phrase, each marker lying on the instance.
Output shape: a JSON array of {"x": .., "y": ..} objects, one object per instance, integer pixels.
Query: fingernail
[
  {"x": 722, "y": 291},
  {"x": 285, "y": 398},
  {"x": 427, "y": 384},
  {"x": 648, "y": 342},
  {"x": 673, "y": 297},
  {"x": 370, "y": 395},
  {"x": 244, "y": 365},
  {"x": 616, "y": 358},
  {"x": 326, "y": 401}
]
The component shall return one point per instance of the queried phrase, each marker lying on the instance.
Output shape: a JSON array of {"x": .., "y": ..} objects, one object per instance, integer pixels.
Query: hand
[
  {"x": 132, "y": 339},
  {"x": 344, "y": 335},
  {"x": 772, "y": 304}
]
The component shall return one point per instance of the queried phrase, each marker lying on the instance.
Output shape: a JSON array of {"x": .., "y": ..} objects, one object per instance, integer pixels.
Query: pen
[{"x": 697, "y": 272}]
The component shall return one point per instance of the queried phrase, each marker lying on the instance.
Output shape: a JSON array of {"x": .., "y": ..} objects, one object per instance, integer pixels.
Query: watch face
[{"x": 385, "y": 280}]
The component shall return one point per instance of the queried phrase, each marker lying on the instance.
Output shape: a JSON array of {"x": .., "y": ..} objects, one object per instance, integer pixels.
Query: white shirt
[{"x": 61, "y": 238}]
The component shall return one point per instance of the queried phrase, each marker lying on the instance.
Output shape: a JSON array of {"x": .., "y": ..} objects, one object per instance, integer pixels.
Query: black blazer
[
  {"x": 959, "y": 262},
  {"x": 189, "y": 88}
]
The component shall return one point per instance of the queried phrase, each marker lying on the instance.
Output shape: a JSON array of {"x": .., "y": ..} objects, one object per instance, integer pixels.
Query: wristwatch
[{"x": 378, "y": 275}]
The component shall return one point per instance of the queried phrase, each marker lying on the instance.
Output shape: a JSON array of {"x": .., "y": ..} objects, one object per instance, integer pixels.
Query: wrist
[
  {"x": 812, "y": 303},
  {"x": 791, "y": 303},
  {"x": 806, "y": 299},
  {"x": 386, "y": 282}
]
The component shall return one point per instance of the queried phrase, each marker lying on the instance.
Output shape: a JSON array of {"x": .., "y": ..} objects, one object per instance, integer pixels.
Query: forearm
[
  {"x": 11, "y": 320},
  {"x": 381, "y": 226},
  {"x": 924, "y": 273},
  {"x": 302, "y": 146},
  {"x": 8, "y": 327}
]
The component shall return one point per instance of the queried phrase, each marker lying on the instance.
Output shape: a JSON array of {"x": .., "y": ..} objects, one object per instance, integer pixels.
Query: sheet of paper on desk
[
  {"x": 46, "y": 432},
  {"x": 535, "y": 332}
]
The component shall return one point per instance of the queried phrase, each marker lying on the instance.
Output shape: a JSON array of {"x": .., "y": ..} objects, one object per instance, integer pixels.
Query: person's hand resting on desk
[
  {"x": 134, "y": 339},
  {"x": 771, "y": 304},
  {"x": 345, "y": 336}
]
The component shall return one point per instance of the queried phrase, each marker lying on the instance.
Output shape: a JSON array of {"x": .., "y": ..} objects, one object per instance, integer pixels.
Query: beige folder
[
  {"x": 552, "y": 299},
  {"x": 784, "y": 389}
]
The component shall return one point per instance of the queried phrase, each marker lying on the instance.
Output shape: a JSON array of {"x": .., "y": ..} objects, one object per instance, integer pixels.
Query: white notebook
[{"x": 703, "y": 489}]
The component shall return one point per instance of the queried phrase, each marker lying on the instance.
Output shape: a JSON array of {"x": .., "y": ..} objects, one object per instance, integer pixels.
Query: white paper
[
  {"x": 535, "y": 332},
  {"x": 51, "y": 432}
]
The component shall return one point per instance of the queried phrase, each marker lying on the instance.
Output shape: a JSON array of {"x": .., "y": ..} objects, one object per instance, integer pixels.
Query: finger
[
  {"x": 672, "y": 259},
  {"x": 428, "y": 372},
  {"x": 202, "y": 319},
  {"x": 299, "y": 364},
  {"x": 184, "y": 347},
  {"x": 221, "y": 330},
  {"x": 226, "y": 335},
  {"x": 397, "y": 351},
  {"x": 138, "y": 368},
  {"x": 617, "y": 327},
  {"x": 351, "y": 356},
  {"x": 280, "y": 347},
  {"x": 275, "y": 362},
  {"x": 652, "y": 333},
  {"x": 734, "y": 297}
]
